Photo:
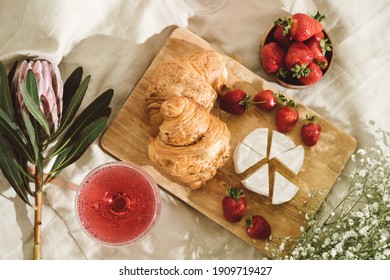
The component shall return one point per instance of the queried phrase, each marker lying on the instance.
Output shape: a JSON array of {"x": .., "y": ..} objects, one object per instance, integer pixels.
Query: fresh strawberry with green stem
[
  {"x": 314, "y": 74},
  {"x": 319, "y": 49},
  {"x": 298, "y": 54},
  {"x": 257, "y": 227},
  {"x": 235, "y": 101},
  {"x": 234, "y": 205},
  {"x": 266, "y": 100},
  {"x": 287, "y": 117},
  {"x": 282, "y": 39},
  {"x": 272, "y": 57},
  {"x": 310, "y": 131},
  {"x": 300, "y": 26}
]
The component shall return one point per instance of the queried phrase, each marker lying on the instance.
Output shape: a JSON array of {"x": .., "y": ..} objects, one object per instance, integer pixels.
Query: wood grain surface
[{"x": 127, "y": 136}]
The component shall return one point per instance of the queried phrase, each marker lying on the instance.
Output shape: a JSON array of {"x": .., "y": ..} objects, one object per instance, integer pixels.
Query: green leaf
[
  {"x": 34, "y": 109},
  {"x": 11, "y": 73},
  {"x": 11, "y": 171},
  {"x": 11, "y": 131},
  {"x": 70, "y": 87},
  {"x": 72, "y": 153},
  {"x": 74, "y": 105},
  {"x": 31, "y": 86},
  {"x": 5, "y": 94},
  {"x": 98, "y": 108},
  {"x": 34, "y": 143}
]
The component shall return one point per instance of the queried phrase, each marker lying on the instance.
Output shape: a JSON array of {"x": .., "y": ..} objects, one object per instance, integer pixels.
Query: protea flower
[{"x": 50, "y": 89}]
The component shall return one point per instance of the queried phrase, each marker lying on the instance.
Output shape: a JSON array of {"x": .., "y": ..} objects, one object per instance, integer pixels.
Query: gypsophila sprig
[{"x": 358, "y": 226}]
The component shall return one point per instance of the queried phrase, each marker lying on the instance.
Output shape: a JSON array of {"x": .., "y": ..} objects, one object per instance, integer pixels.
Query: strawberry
[
  {"x": 235, "y": 101},
  {"x": 319, "y": 36},
  {"x": 322, "y": 62},
  {"x": 272, "y": 57},
  {"x": 287, "y": 117},
  {"x": 266, "y": 100},
  {"x": 314, "y": 75},
  {"x": 319, "y": 49},
  {"x": 302, "y": 27},
  {"x": 257, "y": 227},
  {"x": 298, "y": 54},
  {"x": 234, "y": 205},
  {"x": 310, "y": 131},
  {"x": 282, "y": 39}
]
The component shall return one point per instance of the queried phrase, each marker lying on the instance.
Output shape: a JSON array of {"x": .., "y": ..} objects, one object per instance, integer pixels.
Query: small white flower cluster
[{"x": 358, "y": 227}]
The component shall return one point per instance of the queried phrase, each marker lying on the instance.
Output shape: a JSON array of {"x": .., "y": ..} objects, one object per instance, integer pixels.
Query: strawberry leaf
[
  {"x": 319, "y": 16},
  {"x": 249, "y": 221},
  {"x": 325, "y": 46},
  {"x": 235, "y": 193},
  {"x": 245, "y": 102},
  {"x": 285, "y": 23},
  {"x": 301, "y": 71}
]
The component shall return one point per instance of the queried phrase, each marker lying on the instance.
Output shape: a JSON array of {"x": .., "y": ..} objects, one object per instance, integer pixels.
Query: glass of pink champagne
[{"x": 118, "y": 204}]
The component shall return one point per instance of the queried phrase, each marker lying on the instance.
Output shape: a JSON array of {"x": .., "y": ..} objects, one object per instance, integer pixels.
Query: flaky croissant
[
  {"x": 192, "y": 144},
  {"x": 197, "y": 75}
]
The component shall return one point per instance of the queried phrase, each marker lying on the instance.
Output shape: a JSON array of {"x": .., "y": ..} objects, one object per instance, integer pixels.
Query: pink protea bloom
[{"x": 50, "y": 89}]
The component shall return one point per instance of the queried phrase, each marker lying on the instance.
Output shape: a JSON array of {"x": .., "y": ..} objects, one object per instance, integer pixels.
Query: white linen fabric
[{"x": 115, "y": 41}]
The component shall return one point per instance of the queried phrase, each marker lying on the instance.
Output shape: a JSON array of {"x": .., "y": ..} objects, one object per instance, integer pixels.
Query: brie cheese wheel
[
  {"x": 258, "y": 181},
  {"x": 244, "y": 157},
  {"x": 280, "y": 143},
  {"x": 284, "y": 190},
  {"x": 257, "y": 140},
  {"x": 292, "y": 159}
]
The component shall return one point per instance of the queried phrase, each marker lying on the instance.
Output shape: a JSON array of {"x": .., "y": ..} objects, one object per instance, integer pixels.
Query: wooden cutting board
[{"x": 127, "y": 137}]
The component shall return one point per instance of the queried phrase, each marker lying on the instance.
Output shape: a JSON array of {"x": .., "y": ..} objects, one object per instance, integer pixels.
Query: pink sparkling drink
[{"x": 118, "y": 204}]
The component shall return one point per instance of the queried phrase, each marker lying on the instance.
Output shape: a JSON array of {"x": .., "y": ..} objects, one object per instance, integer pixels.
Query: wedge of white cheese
[
  {"x": 244, "y": 157},
  {"x": 257, "y": 140},
  {"x": 280, "y": 143},
  {"x": 284, "y": 190},
  {"x": 258, "y": 181},
  {"x": 293, "y": 159}
]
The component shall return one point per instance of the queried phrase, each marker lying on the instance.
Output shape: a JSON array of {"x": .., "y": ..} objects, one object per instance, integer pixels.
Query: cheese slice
[
  {"x": 257, "y": 140},
  {"x": 292, "y": 159},
  {"x": 280, "y": 143},
  {"x": 284, "y": 190},
  {"x": 258, "y": 181},
  {"x": 244, "y": 157}
]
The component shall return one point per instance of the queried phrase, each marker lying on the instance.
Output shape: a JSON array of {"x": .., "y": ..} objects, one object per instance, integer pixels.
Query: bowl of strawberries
[{"x": 296, "y": 52}]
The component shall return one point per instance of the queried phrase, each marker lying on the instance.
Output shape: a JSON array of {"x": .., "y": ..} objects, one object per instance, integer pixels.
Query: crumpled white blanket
[{"x": 115, "y": 41}]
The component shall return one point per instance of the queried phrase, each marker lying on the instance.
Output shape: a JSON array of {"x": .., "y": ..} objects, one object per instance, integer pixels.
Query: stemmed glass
[
  {"x": 206, "y": 6},
  {"x": 117, "y": 204}
]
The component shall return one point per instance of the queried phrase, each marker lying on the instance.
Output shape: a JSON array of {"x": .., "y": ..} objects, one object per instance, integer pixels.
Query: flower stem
[{"x": 37, "y": 218}]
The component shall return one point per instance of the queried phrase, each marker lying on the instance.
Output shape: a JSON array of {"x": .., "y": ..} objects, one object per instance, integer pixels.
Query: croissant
[
  {"x": 197, "y": 75},
  {"x": 192, "y": 143}
]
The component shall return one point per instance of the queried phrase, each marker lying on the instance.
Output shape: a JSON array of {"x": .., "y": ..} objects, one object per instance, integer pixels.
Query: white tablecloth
[{"x": 115, "y": 41}]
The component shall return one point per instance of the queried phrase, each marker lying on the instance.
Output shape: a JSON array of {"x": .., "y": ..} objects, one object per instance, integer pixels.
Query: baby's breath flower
[{"x": 357, "y": 227}]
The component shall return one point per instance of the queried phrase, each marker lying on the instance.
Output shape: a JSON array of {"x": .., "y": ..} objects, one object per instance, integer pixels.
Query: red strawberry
[
  {"x": 322, "y": 62},
  {"x": 314, "y": 75},
  {"x": 310, "y": 131},
  {"x": 287, "y": 117},
  {"x": 319, "y": 36},
  {"x": 257, "y": 227},
  {"x": 266, "y": 100},
  {"x": 304, "y": 26},
  {"x": 319, "y": 49},
  {"x": 235, "y": 101},
  {"x": 298, "y": 54},
  {"x": 272, "y": 57},
  {"x": 234, "y": 205},
  {"x": 284, "y": 40}
]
